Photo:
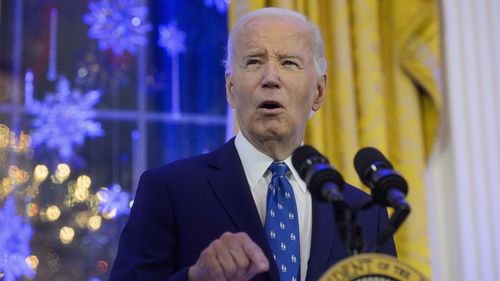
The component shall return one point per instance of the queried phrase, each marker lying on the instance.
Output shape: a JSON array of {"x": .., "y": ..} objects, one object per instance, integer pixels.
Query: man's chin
[{"x": 272, "y": 133}]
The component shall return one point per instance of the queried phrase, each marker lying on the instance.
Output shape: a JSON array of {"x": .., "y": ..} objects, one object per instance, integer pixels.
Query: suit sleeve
[{"x": 147, "y": 247}]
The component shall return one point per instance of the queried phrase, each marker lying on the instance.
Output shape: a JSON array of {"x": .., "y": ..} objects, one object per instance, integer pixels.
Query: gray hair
[{"x": 319, "y": 53}]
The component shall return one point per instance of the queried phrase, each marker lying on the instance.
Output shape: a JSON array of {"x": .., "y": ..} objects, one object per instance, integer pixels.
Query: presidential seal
[{"x": 372, "y": 267}]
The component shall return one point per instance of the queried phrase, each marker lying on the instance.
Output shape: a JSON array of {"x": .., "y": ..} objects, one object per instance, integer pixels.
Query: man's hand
[{"x": 234, "y": 256}]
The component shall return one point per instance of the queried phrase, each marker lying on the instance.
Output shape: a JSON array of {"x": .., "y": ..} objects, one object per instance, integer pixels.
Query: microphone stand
[
  {"x": 356, "y": 241},
  {"x": 351, "y": 231},
  {"x": 397, "y": 218}
]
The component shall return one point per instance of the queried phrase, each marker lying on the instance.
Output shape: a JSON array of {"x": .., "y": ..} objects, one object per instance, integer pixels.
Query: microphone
[
  {"x": 323, "y": 181},
  {"x": 388, "y": 187},
  {"x": 326, "y": 184}
]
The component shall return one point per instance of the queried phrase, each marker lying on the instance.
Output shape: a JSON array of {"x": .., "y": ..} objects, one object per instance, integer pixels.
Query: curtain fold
[{"x": 383, "y": 90}]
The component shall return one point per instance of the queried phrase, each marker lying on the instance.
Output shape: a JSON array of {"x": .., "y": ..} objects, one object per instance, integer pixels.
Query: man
[{"x": 206, "y": 218}]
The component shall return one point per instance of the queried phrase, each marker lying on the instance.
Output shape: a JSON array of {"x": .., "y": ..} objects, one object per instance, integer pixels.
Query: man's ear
[
  {"x": 229, "y": 90},
  {"x": 320, "y": 93}
]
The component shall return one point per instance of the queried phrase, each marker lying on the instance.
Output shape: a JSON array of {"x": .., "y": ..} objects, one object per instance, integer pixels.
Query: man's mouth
[{"x": 270, "y": 105}]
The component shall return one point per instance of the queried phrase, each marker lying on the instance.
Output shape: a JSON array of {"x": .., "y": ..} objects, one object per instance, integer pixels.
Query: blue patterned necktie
[{"x": 282, "y": 225}]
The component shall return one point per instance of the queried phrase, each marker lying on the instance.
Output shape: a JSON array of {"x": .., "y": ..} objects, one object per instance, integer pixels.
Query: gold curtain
[{"x": 383, "y": 91}]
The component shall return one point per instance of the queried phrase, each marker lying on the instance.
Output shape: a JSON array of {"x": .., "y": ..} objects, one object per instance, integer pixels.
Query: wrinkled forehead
[{"x": 274, "y": 33}]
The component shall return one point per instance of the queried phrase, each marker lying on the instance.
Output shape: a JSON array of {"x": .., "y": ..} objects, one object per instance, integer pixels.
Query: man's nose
[{"x": 270, "y": 76}]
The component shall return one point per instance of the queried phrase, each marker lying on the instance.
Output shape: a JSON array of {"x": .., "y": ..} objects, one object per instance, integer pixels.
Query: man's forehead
[
  {"x": 256, "y": 37},
  {"x": 288, "y": 26},
  {"x": 287, "y": 34}
]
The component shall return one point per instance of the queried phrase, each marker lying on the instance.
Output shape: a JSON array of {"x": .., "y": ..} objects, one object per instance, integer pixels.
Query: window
[{"x": 99, "y": 112}]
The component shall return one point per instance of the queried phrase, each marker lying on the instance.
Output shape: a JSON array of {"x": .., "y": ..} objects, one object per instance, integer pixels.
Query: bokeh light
[
  {"x": 109, "y": 214},
  {"x": 40, "y": 173},
  {"x": 4, "y": 136},
  {"x": 94, "y": 223},
  {"x": 17, "y": 175},
  {"x": 66, "y": 234},
  {"x": 83, "y": 181},
  {"x": 9, "y": 140},
  {"x": 31, "y": 209},
  {"x": 32, "y": 191},
  {"x": 24, "y": 143},
  {"x": 4, "y": 188},
  {"x": 53, "y": 212},
  {"x": 33, "y": 262},
  {"x": 103, "y": 196},
  {"x": 82, "y": 219},
  {"x": 61, "y": 174},
  {"x": 80, "y": 194},
  {"x": 113, "y": 202},
  {"x": 102, "y": 266}
]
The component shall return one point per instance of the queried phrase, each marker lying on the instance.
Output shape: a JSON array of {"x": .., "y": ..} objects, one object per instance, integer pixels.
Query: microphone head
[
  {"x": 315, "y": 170},
  {"x": 368, "y": 156},
  {"x": 376, "y": 172},
  {"x": 303, "y": 157}
]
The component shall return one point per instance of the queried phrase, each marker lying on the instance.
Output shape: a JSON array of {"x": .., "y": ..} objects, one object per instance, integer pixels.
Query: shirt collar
[{"x": 255, "y": 163}]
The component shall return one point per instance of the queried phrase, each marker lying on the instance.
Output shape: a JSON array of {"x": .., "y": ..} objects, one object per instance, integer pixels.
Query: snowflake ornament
[
  {"x": 172, "y": 39},
  {"x": 113, "y": 202},
  {"x": 119, "y": 25},
  {"x": 65, "y": 118},
  {"x": 221, "y": 5},
  {"x": 15, "y": 237}
]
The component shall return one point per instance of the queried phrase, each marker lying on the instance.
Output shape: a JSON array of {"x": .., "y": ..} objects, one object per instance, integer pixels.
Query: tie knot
[{"x": 278, "y": 168}]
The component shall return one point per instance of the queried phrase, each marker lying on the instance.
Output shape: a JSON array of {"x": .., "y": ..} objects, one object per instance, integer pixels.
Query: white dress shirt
[{"x": 255, "y": 165}]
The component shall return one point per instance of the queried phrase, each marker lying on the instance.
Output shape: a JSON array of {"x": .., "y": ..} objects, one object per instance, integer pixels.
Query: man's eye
[
  {"x": 253, "y": 61},
  {"x": 289, "y": 63}
]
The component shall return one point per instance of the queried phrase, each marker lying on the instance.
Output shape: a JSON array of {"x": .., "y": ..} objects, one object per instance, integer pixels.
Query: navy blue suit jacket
[{"x": 180, "y": 208}]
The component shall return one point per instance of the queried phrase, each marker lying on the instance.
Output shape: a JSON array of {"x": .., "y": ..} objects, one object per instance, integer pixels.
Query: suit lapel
[
  {"x": 323, "y": 236},
  {"x": 230, "y": 184}
]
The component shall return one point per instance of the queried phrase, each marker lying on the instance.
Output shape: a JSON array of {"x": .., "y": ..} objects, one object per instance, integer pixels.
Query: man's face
[{"x": 274, "y": 83}]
